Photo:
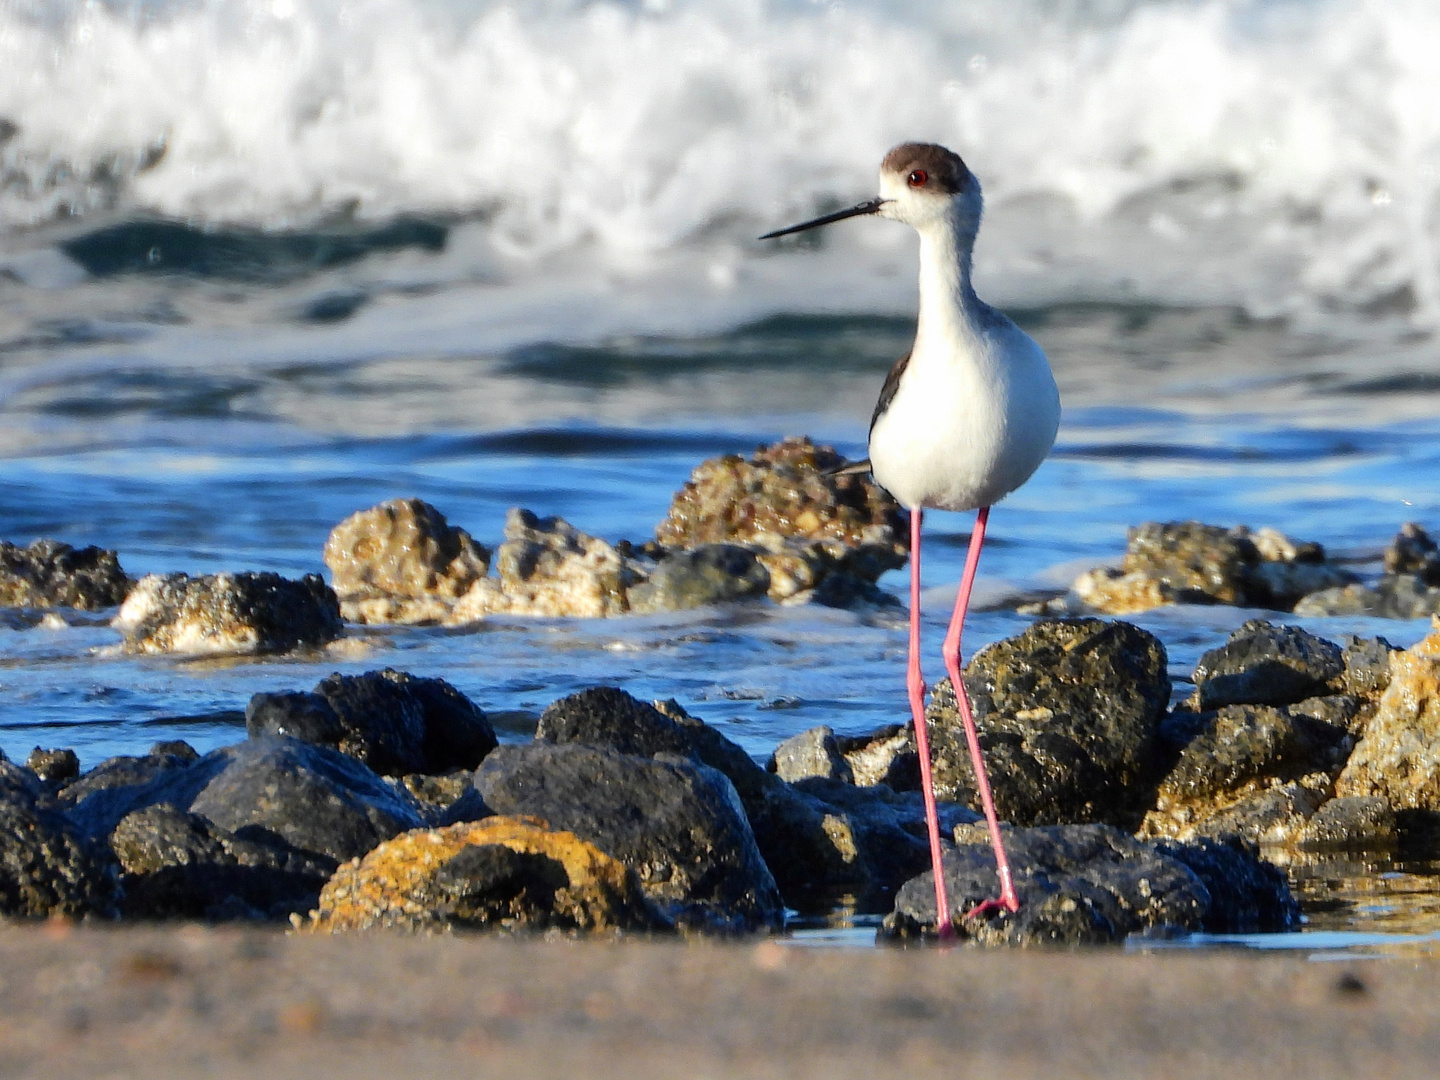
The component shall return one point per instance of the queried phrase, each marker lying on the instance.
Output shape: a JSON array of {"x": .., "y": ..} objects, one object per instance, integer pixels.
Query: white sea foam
[{"x": 1272, "y": 153}]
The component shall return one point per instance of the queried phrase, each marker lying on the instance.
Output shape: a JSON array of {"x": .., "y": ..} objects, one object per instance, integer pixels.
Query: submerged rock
[
  {"x": 180, "y": 865},
  {"x": 805, "y": 523},
  {"x": 51, "y": 574},
  {"x": 501, "y": 873},
  {"x": 1401, "y": 596},
  {"x": 394, "y": 722},
  {"x": 47, "y": 867},
  {"x": 708, "y": 574},
  {"x": 1068, "y": 714},
  {"x": 1190, "y": 562},
  {"x": 228, "y": 613},
  {"x": 1088, "y": 884},
  {"x": 384, "y": 560},
  {"x": 311, "y": 797},
  {"x": 680, "y": 826}
]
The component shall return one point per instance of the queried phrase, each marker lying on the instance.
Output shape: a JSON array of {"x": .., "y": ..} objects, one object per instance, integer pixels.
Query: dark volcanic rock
[
  {"x": 1395, "y": 596},
  {"x": 1263, "y": 664},
  {"x": 1414, "y": 552},
  {"x": 46, "y": 866},
  {"x": 314, "y": 798},
  {"x": 1353, "y": 823},
  {"x": 608, "y": 716},
  {"x": 1068, "y": 713},
  {"x": 228, "y": 613},
  {"x": 182, "y": 865},
  {"x": 1078, "y": 884},
  {"x": 1367, "y": 665},
  {"x": 709, "y": 574},
  {"x": 394, "y": 722},
  {"x": 679, "y": 826},
  {"x": 53, "y": 766},
  {"x": 1247, "y": 894},
  {"x": 51, "y": 574},
  {"x": 122, "y": 771}
]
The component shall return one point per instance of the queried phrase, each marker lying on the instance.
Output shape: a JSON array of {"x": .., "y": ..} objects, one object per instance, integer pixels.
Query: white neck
[{"x": 948, "y": 304}]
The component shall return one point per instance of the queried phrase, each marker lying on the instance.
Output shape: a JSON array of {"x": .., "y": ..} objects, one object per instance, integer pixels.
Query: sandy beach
[{"x": 232, "y": 1002}]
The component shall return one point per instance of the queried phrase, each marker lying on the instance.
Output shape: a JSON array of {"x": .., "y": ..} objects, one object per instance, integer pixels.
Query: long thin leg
[
  {"x": 915, "y": 682},
  {"x": 951, "y": 652}
]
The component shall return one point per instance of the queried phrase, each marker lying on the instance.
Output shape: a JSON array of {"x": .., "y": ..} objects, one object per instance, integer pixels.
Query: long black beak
[{"x": 869, "y": 206}]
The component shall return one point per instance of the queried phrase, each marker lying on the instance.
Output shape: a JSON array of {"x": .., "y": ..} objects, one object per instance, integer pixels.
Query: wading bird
[{"x": 962, "y": 421}]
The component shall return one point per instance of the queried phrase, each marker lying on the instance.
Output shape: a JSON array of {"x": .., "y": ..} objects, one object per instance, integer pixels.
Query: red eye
[{"x": 918, "y": 178}]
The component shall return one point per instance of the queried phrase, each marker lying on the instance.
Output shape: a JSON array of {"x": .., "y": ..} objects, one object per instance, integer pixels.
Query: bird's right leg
[{"x": 915, "y": 683}]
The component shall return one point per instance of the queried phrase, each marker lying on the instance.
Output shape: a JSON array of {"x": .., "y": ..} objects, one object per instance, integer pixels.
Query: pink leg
[
  {"x": 951, "y": 652},
  {"x": 915, "y": 682}
]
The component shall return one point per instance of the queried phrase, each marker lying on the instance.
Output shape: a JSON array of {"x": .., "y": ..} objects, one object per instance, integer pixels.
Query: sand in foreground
[{"x": 227, "y": 1002}]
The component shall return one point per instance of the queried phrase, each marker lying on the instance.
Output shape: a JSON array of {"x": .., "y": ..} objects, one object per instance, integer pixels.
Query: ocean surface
[{"x": 263, "y": 264}]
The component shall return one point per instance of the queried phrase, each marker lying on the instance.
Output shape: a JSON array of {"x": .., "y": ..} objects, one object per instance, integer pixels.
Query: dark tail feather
[{"x": 851, "y": 468}]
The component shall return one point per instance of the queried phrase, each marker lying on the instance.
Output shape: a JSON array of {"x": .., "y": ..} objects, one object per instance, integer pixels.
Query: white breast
[{"x": 971, "y": 420}]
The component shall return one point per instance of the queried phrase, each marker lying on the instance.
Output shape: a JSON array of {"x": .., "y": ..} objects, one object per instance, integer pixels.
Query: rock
[
  {"x": 53, "y": 766},
  {"x": 51, "y": 574},
  {"x": 804, "y": 521},
  {"x": 1413, "y": 552},
  {"x": 311, "y": 797},
  {"x": 812, "y": 753},
  {"x": 1354, "y": 823},
  {"x": 886, "y": 756},
  {"x": 394, "y": 722},
  {"x": 401, "y": 550},
  {"x": 708, "y": 574},
  {"x": 1367, "y": 665},
  {"x": 608, "y": 716},
  {"x": 680, "y": 826},
  {"x": 437, "y": 794},
  {"x": 502, "y": 873},
  {"x": 1340, "y": 712},
  {"x": 1247, "y": 894},
  {"x": 47, "y": 867},
  {"x": 228, "y": 613},
  {"x": 1078, "y": 884},
  {"x": 1068, "y": 714},
  {"x": 121, "y": 771},
  {"x": 1189, "y": 562},
  {"x": 174, "y": 748},
  {"x": 181, "y": 865},
  {"x": 1403, "y": 596},
  {"x": 1398, "y": 755},
  {"x": 1266, "y": 665}
]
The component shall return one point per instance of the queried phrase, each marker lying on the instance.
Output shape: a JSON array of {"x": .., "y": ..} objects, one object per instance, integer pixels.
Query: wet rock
[
  {"x": 812, "y": 753},
  {"x": 805, "y": 522},
  {"x": 311, "y": 797},
  {"x": 180, "y": 865},
  {"x": 1403, "y": 596},
  {"x": 1189, "y": 562},
  {"x": 402, "y": 550},
  {"x": 1247, "y": 894},
  {"x": 122, "y": 771},
  {"x": 1413, "y": 552},
  {"x": 1068, "y": 714},
  {"x": 1266, "y": 665},
  {"x": 708, "y": 574},
  {"x": 47, "y": 867},
  {"x": 1078, "y": 884},
  {"x": 51, "y": 574},
  {"x": 392, "y": 721},
  {"x": 680, "y": 826},
  {"x": 502, "y": 873},
  {"x": 886, "y": 756},
  {"x": 1398, "y": 755},
  {"x": 53, "y": 766},
  {"x": 1353, "y": 823},
  {"x": 228, "y": 613}
]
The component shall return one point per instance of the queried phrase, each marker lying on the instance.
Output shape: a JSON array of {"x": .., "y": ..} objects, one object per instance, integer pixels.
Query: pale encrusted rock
[
  {"x": 1398, "y": 755},
  {"x": 385, "y": 559},
  {"x": 51, "y": 574},
  {"x": 501, "y": 873},
  {"x": 812, "y": 753},
  {"x": 228, "y": 613}
]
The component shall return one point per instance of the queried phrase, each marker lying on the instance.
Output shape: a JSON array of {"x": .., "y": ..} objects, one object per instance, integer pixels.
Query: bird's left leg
[{"x": 951, "y": 652}]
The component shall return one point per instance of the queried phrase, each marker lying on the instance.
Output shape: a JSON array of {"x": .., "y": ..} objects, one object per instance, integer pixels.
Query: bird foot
[{"x": 1007, "y": 901}]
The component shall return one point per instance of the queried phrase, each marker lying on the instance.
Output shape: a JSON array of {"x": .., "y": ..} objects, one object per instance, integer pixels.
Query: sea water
[{"x": 263, "y": 264}]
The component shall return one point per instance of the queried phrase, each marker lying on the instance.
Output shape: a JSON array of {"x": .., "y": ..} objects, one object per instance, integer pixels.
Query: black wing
[{"x": 887, "y": 392}]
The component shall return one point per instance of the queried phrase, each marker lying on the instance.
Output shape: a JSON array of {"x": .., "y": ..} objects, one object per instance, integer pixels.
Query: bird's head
[{"x": 921, "y": 184}]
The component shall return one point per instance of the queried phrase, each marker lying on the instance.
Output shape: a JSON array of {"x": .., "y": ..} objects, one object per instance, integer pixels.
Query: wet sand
[{"x": 232, "y": 1003}]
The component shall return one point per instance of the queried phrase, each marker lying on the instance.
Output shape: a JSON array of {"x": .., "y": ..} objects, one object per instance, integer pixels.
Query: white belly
[{"x": 963, "y": 431}]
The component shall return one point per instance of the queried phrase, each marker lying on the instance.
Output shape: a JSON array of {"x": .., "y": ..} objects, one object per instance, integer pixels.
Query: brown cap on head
[{"x": 943, "y": 169}]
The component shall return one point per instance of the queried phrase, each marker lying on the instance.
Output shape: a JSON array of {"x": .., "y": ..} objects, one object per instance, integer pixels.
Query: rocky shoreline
[{"x": 386, "y": 800}]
